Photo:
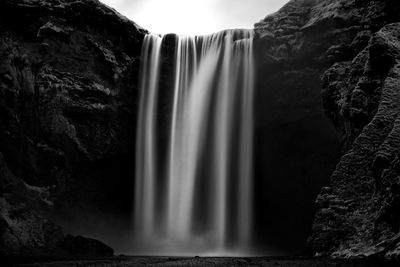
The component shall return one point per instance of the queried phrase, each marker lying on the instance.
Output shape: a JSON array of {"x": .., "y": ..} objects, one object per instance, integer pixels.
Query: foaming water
[{"x": 202, "y": 202}]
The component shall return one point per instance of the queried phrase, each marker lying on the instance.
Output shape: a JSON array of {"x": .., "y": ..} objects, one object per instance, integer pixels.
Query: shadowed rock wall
[
  {"x": 353, "y": 45},
  {"x": 68, "y": 97}
]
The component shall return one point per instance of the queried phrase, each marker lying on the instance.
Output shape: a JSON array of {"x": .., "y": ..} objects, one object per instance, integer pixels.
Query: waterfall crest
[{"x": 202, "y": 202}]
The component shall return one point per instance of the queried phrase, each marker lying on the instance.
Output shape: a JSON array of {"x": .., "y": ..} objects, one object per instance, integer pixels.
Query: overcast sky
[{"x": 195, "y": 16}]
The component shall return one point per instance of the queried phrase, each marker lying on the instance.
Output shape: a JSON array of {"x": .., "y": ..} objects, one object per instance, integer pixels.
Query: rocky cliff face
[
  {"x": 68, "y": 75},
  {"x": 68, "y": 97},
  {"x": 354, "y": 46}
]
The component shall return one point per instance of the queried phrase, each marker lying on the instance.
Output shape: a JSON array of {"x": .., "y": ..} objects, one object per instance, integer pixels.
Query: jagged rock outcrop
[
  {"x": 359, "y": 212},
  {"x": 354, "y": 46},
  {"x": 68, "y": 74}
]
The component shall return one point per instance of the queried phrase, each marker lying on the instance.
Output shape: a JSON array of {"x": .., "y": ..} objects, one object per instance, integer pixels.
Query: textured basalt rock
[
  {"x": 68, "y": 75},
  {"x": 358, "y": 213},
  {"x": 353, "y": 45}
]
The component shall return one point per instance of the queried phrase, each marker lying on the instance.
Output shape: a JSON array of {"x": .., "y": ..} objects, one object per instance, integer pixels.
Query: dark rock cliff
[
  {"x": 354, "y": 46},
  {"x": 68, "y": 75}
]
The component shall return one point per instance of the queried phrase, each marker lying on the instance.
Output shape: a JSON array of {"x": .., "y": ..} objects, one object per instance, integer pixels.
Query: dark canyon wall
[
  {"x": 68, "y": 75},
  {"x": 354, "y": 47}
]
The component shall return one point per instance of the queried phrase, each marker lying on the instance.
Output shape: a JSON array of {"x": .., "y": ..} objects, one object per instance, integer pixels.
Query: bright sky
[{"x": 195, "y": 16}]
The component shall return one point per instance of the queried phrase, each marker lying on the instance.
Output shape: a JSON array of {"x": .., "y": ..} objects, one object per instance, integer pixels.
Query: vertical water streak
[
  {"x": 222, "y": 139},
  {"x": 183, "y": 144},
  {"x": 146, "y": 165},
  {"x": 246, "y": 144}
]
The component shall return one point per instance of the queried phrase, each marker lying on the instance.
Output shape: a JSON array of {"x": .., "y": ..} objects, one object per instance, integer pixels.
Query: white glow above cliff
[{"x": 195, "y": 16}]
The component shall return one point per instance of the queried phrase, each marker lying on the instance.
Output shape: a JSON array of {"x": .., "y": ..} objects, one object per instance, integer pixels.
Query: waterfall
[
  {"x": 146, "y": 165},
  {"x": 203, "y": 199}
]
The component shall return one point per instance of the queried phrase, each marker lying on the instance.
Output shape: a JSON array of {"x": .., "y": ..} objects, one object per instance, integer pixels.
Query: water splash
[{"x": 207, "y": 198}]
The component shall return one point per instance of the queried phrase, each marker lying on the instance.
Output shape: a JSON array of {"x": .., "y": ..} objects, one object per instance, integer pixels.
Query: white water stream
[{"x": 206, "y": 188}]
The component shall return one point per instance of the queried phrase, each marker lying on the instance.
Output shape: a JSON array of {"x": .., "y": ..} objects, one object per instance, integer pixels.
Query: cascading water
[{"x": 202, "y": 202}]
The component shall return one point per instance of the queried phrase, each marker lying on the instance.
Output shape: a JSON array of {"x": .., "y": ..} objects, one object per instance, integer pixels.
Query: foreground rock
[
  {"x": 81, "y": 246},
  {"x": 25, "y": 229}
]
